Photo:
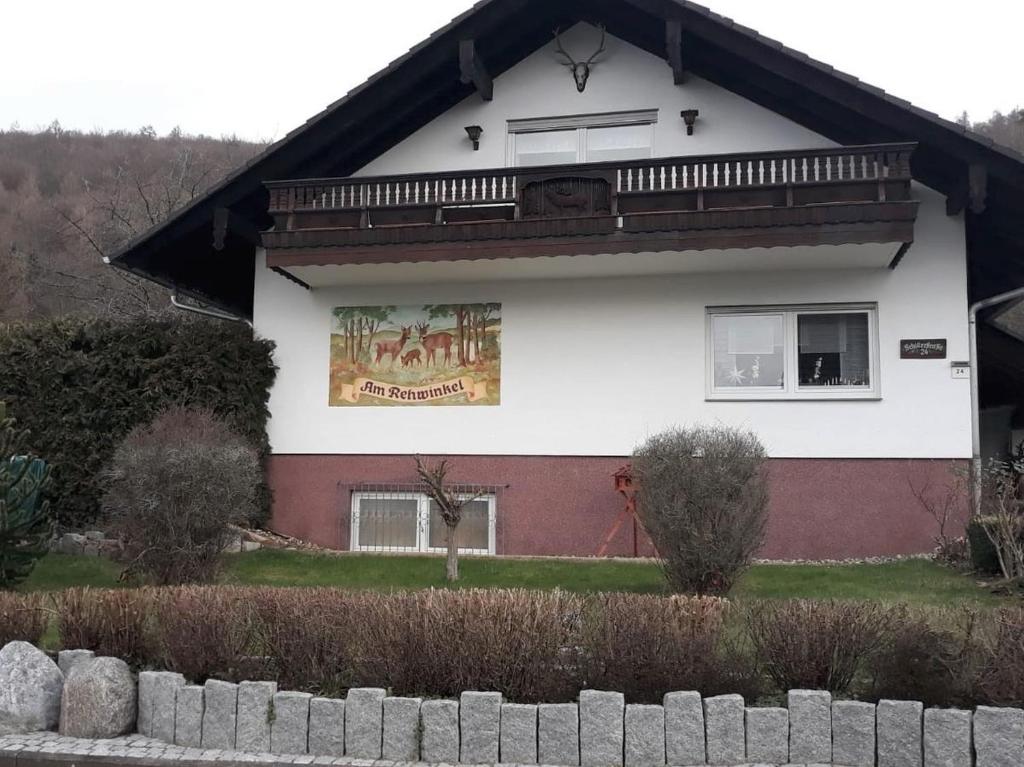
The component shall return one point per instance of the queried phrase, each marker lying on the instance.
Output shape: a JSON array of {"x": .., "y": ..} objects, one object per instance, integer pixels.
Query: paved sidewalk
[
  {"x": 139, "y": 748},
  {"x": 41, "y": 747}
]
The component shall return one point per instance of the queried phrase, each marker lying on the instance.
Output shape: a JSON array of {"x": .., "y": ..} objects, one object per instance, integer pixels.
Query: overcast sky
[{"x": 258, "y": 68}]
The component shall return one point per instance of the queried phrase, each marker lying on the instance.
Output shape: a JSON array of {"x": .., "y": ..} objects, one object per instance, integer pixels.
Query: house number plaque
[{"x": 923, "y": 348}]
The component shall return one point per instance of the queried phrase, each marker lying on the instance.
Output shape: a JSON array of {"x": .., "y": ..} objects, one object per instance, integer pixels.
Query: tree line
[{"x": 69, "y": 198}]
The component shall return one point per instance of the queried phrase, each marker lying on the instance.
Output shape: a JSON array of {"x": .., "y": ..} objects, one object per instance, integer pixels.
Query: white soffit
[{"x": 867, "y": 256}]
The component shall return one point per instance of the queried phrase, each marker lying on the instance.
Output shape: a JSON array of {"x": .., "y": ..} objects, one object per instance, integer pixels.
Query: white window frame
[
  {"x": 579, "y": 123},
  {"x": 791, "y": 388},
  {"x": 422, "y": 524}
]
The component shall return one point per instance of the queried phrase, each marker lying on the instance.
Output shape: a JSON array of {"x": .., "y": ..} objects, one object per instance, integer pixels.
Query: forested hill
[
  {"x": 1006, "y": 129},
  {"x": 69, "y": 198}
]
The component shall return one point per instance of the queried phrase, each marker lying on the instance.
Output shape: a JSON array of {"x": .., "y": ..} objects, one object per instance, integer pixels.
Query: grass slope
[{"x": 915, "y": 581}]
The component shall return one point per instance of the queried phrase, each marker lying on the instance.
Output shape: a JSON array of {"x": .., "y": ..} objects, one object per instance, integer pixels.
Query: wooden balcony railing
[
  {"x": 758, "y": 199},
  {"x": 868, "y": 173}
]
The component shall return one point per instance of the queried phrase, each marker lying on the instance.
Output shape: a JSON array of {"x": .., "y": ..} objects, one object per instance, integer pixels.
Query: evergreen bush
[
  {"x": 26, "y": 524},
  {"x": 80, "y": 385}
]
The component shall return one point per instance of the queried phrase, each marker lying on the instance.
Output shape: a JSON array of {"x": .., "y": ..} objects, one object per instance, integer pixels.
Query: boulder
[
  {"x": 30, "y": 689},
  {"x": 99, "y": 699}
]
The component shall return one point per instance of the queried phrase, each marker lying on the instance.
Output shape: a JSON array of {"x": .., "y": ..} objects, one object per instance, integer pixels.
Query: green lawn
[{"x": 914, "y": 581}]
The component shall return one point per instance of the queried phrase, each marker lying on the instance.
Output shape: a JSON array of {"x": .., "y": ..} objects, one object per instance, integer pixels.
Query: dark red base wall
[{"x": 557, "y": 505}]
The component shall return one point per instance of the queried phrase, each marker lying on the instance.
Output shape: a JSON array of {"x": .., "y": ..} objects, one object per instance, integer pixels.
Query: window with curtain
[
  {"x": 792, "y": 352},
  {"x": 410, "y": 521}
]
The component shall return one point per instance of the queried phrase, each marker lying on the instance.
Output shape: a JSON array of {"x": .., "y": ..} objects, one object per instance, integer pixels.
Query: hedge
[
  {"x": 80, "y": 385},
  {"x": 546, "y": 646}
]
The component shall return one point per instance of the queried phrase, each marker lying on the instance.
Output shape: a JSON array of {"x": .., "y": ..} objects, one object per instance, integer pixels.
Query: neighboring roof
[{"x": 424, "y": 82}]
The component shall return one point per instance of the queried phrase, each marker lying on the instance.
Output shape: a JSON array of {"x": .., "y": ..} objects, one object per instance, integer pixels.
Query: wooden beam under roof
[
  {"x": 972, "y": 192},
  {"x": 473, "y": 70},
  {"x": 674, "y": 49},
  {"x": 225, "y": 220}
]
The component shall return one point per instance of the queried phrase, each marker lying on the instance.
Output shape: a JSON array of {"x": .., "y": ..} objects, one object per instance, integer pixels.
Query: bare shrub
[
  {"x": 173, "y": 489},
  {"x": 1002, "y": 511},
  {"x": 927, "y": 657},
  {"x": 308, "y": 635},
  {"x": 946, "y": 503},
  {"x": 1000, "y": 678},
  {"x": 439, "y": 642},
  {"x": 703, "y": 496},
  {"x": 109, "y": 621},
  {"x": 204, "y": 632},
  {"x": 23, "y": 617},
  {"x": 645, "y": 646},
  {"x": 805, "y": 644}
]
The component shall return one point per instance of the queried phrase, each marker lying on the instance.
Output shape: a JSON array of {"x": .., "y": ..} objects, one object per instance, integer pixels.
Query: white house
[{"x": 528, "y": 267}]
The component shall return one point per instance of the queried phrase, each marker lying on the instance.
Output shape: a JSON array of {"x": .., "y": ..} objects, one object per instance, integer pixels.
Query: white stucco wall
[
  {"x": 592, "y": 366},
  {"x": 625, "y": 79}
]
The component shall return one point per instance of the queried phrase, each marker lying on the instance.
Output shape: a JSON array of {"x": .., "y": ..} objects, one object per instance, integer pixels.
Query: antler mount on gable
[{"x": 580, "y": 69}]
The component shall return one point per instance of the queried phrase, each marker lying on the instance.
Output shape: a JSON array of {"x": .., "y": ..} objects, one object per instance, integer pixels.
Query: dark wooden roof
[{"x": 423, "y": 83}]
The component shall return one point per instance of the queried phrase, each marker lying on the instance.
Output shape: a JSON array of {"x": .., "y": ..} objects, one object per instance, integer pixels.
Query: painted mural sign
[{"x": 434, "y": 354}]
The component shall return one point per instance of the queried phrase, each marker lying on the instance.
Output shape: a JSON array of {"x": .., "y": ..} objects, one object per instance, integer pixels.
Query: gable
[
  {"x": 424, "y": 84},
  {"x": 625, "y": 78}
]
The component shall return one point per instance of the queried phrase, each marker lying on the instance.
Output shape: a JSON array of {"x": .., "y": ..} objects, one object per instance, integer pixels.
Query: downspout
[
  {"x": 177, "y": 304},
  {"x": 972, "y": 326}
]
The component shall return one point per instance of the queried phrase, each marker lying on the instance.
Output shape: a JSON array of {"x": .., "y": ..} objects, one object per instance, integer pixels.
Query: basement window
[
  {"x": 411, "y": 522},
  {"x": 815, "y": 352},
  {"x": 609, "y": 137}
]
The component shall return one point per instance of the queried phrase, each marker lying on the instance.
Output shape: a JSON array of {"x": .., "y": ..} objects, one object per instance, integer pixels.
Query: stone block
[
  {"x": 518, "y": 733},
  {"x": 439, "y": 721},
  {"x": 401, "y": 742},
  {"x": 724, "y": 729},
  {"x": 327, "y": 727},
  {"x": 602, "y": 721},
  {"x": 364, "y": 722},
  {"x": 289, "y": 731},
  {"x": 220, "y": 714},
  {"x": 68, "y": 658},
  {"x": 480, "y": 723},
  {"x": 71, "y": 543},
  {"x": 684, "y": 729},
  {"x": 644, "y": 736},
  {"x": 810, "y": 726},
  {"x": 163, "y": 699},
  {"x": 189, "y": 702},
  {"x": 767, "y": 735},
  {"x": 144, "y": 720},
  {"x": 252, "y": 730},
  {"x": 899, "y": 729},
  {"x": 558, "y": 734},
  {"x": 999, "y": 736},
  {"x": 99, "y": 700},
  {"x": 947, "y": 738},
  {"x": 853, "y": 733}
]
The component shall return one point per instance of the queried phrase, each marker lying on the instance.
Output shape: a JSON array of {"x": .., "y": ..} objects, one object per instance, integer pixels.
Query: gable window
[
  {"x": 410, "y": 521},
  {"x": 584, "y": 138},
  {"x": 817, "y": 352}
]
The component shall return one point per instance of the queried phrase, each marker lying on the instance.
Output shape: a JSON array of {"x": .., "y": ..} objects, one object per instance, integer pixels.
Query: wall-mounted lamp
[
  {"x": 474, "y": 131},
  {"x": 689, "y": 117}
]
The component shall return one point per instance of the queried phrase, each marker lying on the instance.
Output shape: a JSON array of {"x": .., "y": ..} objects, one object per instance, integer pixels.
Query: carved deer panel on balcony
[{"x": 566, "y": 197}]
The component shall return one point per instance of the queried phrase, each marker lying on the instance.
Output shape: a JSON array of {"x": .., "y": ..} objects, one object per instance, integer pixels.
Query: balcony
[{"x": 840, "y": 196}]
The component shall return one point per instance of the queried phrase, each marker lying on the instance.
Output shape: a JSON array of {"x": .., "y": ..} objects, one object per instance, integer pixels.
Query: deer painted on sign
[
  {"x": 393, "y": 348},
  {"x": 434, "y": 341},
  {"x": 411, "y": 357},
  {"x": 580, "y": 69}
]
